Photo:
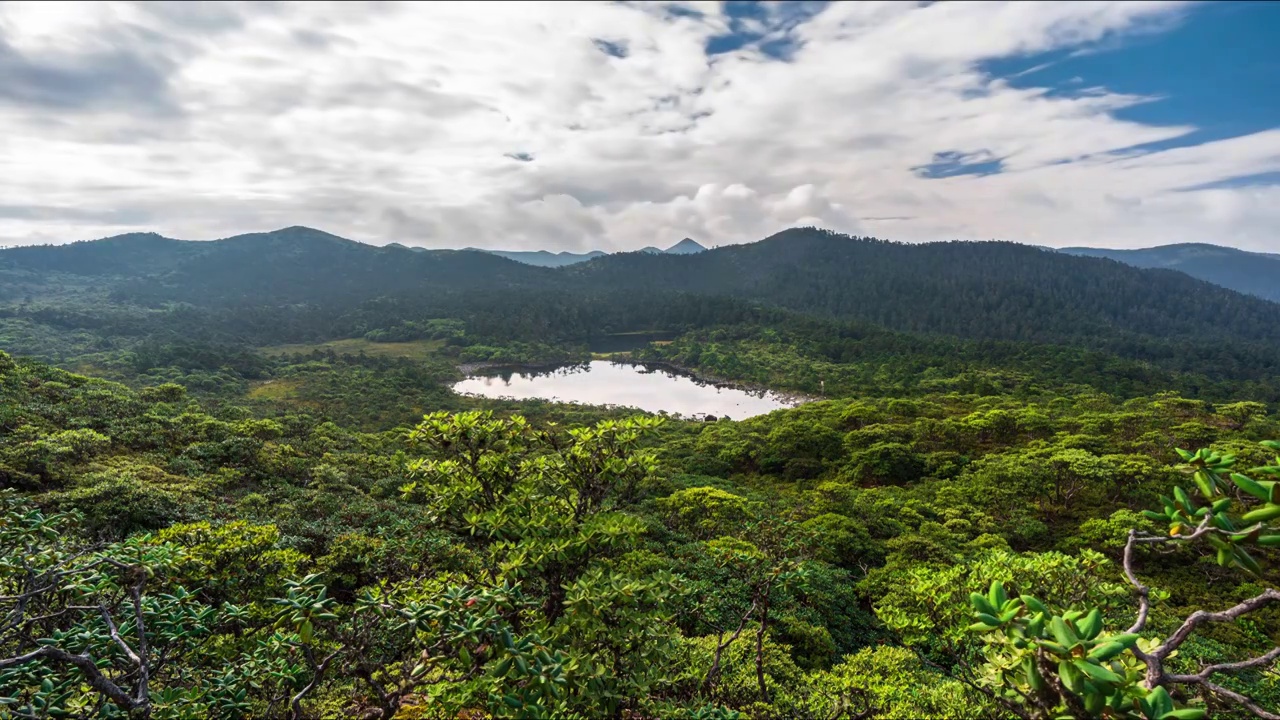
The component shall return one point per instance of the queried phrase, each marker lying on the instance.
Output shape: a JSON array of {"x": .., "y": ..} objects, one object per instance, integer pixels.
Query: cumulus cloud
[{"x": 594, "y": 125}]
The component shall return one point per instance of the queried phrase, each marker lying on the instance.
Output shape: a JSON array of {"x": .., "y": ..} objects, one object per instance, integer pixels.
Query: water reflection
[{"x": 600, "y": 382}]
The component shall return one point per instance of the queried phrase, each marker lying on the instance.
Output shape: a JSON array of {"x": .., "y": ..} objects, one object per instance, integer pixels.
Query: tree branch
[
  {"x": 84, "y": 664},
  {"x": 721, "y": 644},
  {"x": 1241, "y": 700},
  {"x": 115, "y": 635},
  {"x": 144, "y": 671},
  {"x": 1200, "y": 617},
  {"x": 318, "y": 669},
  {"x": 1208, "y": 670},
  {"x": 1144, "y": 592}
]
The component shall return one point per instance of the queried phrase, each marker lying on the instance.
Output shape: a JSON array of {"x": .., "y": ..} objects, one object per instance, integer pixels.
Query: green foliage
[
  {"x": 1065, "y": 663},
  {"x": 892, "y": 683},
  {"x": 305, "y": 543}
]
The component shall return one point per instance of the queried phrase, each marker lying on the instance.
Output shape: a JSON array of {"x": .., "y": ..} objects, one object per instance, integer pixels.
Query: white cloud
[{"x": 504, "y": 125}]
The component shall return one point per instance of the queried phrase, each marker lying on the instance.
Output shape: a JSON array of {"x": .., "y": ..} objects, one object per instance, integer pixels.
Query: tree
[
  {"x": 1047, "y": 663},
  {"x": 81, "y": 630}
]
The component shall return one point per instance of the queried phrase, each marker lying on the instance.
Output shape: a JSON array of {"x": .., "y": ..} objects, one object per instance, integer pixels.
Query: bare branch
[
  {"x": 115, "y": 635},
  {"x": 1208, "y": 670},
  {"x": 1200, "y": 617},
  {"x": 1144, "y": 592},
  {"x": 144, "y": 671},
  {"x": 721, "y": 644},
  {"x": 85, "y": 664},
  {"x": 318, "y": 670},
  {"x": 1241, "y": 700}
]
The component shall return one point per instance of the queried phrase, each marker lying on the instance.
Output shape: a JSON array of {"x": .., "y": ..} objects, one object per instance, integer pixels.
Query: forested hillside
[
  {"x": 301, "y": 284},
  {"x": 1251, "y": 273},
  {"x": 235, "y": 482}
]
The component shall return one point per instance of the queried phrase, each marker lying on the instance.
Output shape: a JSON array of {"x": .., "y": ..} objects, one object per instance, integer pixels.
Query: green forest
[{"x": 235, "y": 482}]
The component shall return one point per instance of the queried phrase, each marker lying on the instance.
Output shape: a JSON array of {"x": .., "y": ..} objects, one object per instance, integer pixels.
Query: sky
[{"x": 612, "y": 126}]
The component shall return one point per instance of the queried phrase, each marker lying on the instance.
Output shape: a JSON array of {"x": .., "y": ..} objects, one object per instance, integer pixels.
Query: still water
[{"x": 600, "y": 382}]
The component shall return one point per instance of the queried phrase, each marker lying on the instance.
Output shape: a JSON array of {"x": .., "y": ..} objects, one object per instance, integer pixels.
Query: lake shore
[{"x": 789, "y": 397}]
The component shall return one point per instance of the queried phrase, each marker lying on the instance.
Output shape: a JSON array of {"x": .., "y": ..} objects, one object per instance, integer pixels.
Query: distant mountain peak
[{"x": 687, "y": 246}]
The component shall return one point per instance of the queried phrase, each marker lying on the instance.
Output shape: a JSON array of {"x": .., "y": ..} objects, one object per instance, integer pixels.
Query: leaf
[
  {"x": 1034, "y": 678},
  {"x": 1106, "y": 651},
  {"x": 1091, "y": 625},
  {"x": 1097, "y": 672},
  {"x": 1248, "y": 485},
  {"x": 1126, "y": 639},
  {"x": 989, "y": 620},
  {"x": 1205, "y": 484},
  {"x": 1247, "y": 562},
  {"x": 1033, "y": 604},
  {"x": 1183, "y": 499},
  {"x": 1159, "y": 702},
  {"x": 1262, "y": 514},
  {"x": 1070, "y": 676},
  {"x": 1062, "y": 633},
  {"x": 980, "y": 603},
  {"x": 1185, "y": 714},
  {"x": 996, "y": 594}
]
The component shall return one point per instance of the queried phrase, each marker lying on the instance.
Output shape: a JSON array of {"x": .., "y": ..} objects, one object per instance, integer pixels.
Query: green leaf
[
  {"x": 980, "y": 603},
  {"x": 1061, "y": 632},
  {"x": 996, "y": 594},
  {"x": 1159, "y": 702},
  {"x": 1054, "y": 647},
  {"x": 1126, "y": 639},
  {"x": 1247, "y": 562},
  {"x": 989, "y": 620},
  {"x": 1185, "y": 714},
  {"x": 1106, "y": 651},
  {"x": 1091, "y": 625},
  {"x": 1262, "y": 514},
  {"x": 1183, "y": 499},
  {"x": 1248, "y": 485},
  {"x": 1097, "y": 672},
  {"x": 1034, "y": 678},
  {"x": 1205, "y": 484},
  {"x": 1033, "y": 604},
  {"x": 1071, "y": 677}
]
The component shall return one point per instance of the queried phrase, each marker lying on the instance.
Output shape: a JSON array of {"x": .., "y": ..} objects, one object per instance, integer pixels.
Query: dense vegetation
[
  {"x": 1251, "y": 273},
  {"x": 269, "y": 504}
]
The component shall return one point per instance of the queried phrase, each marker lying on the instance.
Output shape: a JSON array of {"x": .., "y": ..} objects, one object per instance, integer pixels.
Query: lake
[{"x": 601, "y": 382}]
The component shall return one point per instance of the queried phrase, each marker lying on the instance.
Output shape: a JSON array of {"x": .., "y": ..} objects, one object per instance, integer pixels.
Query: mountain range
[
  {"x": 543, "y": 258},
  {"x": 985, "y": 290},
  {"x": 1252, "y": 273}
]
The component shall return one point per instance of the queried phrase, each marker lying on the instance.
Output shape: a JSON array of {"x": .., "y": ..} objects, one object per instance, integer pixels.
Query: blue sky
[
  {"x": 1216, "y": 67},
  {"x": 617, "y": 125}
]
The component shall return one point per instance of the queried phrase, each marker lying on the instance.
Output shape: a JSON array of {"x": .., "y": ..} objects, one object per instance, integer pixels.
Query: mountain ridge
[
  {"x": 1248, "y": 272},
  {"x": 986, "y": 290}
]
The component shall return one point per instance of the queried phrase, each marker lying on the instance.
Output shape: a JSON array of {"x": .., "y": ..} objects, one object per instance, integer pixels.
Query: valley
[
  {"x": 412, "y": 442},
  {"x": 674, "y": 360}
]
